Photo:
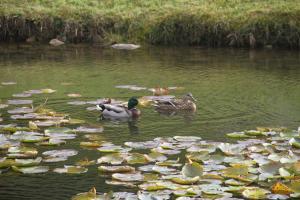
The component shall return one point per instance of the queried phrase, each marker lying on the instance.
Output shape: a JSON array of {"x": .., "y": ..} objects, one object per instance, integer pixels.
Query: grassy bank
[{"x": 239, "y": 23}]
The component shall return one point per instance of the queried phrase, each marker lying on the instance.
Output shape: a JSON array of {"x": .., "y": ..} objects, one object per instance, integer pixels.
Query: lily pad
[
  {"x": 192, "y": 169},
  {"x": 22, "y": 110},
  {"x": 116, "y": 169},
  {"x": 128, "y": 177},
  {"x": 255, "y": 193},
  {"x": 136, "y": 158},
  {"x": 83, "y": 129},
  {"x": 113, "y": 158},
  {"x": 19, "y": 102},
  {"x": 61, "y": 153},
  {"x": 31, "y": 170},
  {"x": 185, "y": 180},
  {"x": 71, "y": 170}
]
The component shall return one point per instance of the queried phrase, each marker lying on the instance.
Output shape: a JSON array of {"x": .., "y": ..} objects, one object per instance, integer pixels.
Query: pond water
[{"x": 235, "y": 89}]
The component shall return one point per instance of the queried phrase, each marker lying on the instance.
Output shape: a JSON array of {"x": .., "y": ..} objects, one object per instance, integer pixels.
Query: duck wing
[{"x": 109, "y": 107}]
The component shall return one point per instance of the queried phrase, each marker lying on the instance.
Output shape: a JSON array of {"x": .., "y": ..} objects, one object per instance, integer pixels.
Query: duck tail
[{"x": 100, "y": 107}]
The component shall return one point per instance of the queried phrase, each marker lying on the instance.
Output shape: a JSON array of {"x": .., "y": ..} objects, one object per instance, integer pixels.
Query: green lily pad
[
  {"x": 238, "y": 135},
  {"x": 27, "y": 162},
  {"x": 231, "y": 149},
  {"x": 155, "y": 156},
  {"x": 192, "y": 169},
  {"x": 5, "y": 163},
  {"x": 170, "y": 163},
  {"x": 90, "y": 195},
  {"x": 52, "y": 142},
  {"x": 295, "y": 142},
  {"x": 22, "y": 152},
  {"x": 113, "y": 158},
  {"x": 185, "y": 180},
  {"x": 136, "y": 158},
  {"x": 152, "y": 187}
]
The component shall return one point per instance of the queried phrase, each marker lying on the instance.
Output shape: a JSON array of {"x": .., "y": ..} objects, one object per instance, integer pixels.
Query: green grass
[{"x": 240, "y": 23}]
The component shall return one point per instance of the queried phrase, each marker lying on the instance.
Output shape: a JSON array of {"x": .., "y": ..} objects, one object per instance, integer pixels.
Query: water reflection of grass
[{"x": 199, "y": 22}]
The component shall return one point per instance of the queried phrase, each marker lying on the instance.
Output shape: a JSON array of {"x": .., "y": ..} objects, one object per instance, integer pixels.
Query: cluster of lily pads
[
  {"x": 40, "y": 126},
  {"x": 265, "y": 164},
  {"x": 262, "y": 163}
]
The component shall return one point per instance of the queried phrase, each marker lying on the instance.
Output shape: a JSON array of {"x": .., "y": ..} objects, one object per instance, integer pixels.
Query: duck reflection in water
[{"x": 186, "y": 115}]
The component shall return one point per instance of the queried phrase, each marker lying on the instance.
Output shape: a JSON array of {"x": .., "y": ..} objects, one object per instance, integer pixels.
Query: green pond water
[{"x": 236, "y": 90}]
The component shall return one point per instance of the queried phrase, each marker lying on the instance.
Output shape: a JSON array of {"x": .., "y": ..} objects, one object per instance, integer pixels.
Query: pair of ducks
[{"x": 110, "y": 111}]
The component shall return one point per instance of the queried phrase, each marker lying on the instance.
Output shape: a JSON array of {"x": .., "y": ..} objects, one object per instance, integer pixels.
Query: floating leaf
[
  {"x": 22, "y": 110},
  {"x": 185, "y": 180},
  {"x": 120, "y": 183},
  {"x": 187, "y": 138},
  {"x": 136, "y": 158},
  {"x": 83, "y": 129},
  {"x": 60, "y": 153},
  {"x": 192, "y": 169},
  {"x": 280, "y": 188},
  {"x": 295, "y": 142},
  {"x": 71, "y": 170},
  {"x": 114, "y": 159},
  {"x": 19, "y": 102},
  {"x": 27, "y": 162},
  {"x": 52, "y": 142},
  {"x": 8, "y": 83},
  {"x": 85, "y": 162},
  {"x": 255, "y": 193},
  {"x": 90, "y": 195},
  {"x": 74, "y": 95},
  {"x": 128, "y": 177},
  {"x": 116, "y": 169},
  {"x": 155, "y": 156},
  {"x": 31, "y": 170},
  {"x": 231, "y": 149},
  {"x": 47, "y": 91},
  {"x": 91, "y": 144},
  {"x": 238, "y": 135}
]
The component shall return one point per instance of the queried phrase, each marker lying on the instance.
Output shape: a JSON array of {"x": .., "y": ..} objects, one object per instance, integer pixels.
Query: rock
[
  {"x": 125, "y": 46},
  {"x": 56, "y": 42},
  {"x": 30, "y": 39}
]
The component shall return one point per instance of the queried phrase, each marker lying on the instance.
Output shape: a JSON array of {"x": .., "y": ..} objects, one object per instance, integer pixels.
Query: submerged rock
[
  {"x": 125, "y": 46},
  {"x": 56, "y": 42}
]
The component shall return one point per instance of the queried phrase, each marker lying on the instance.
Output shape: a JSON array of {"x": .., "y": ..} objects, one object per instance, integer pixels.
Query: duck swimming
[
  {"x": 186, "y": 103},
  {"x": 110, "y": 111}
]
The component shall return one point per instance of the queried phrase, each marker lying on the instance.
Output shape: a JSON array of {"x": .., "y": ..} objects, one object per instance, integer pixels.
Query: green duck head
[{"x": 132, "y": 102}]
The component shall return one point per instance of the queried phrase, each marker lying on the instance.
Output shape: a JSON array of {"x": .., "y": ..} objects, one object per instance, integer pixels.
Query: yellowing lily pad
[
  {"x": 116, "y": 169},
  {"x": 185, "y": 180},
  {"x": 280, "y": 188},
  {"x": 255, "y": 193},
  {"x": 71, "y": 170}
]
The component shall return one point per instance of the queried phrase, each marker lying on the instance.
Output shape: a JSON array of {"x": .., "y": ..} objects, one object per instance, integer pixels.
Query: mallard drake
[
  {"x": 110, "y": 111},
  {"x": 187, "y": 103}
]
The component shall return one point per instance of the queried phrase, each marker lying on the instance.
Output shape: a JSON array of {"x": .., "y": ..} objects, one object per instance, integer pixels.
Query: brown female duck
[{"x": 186, "y": 103}]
